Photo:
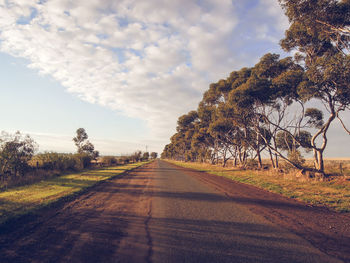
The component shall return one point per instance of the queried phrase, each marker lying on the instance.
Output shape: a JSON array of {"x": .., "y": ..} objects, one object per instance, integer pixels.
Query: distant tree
[
  {"x": 145, "y": 156},
  {"x": 154, "y": 155},
  {"x": 80, "y": 139},
  {"x": 84, "y": 146},
  {"x": 136, "y": 156},
  {"x": 15, "y": 152}
]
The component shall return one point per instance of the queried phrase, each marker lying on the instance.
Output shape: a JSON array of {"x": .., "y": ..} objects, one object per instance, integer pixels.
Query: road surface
[{"x": 157, "y": 213}]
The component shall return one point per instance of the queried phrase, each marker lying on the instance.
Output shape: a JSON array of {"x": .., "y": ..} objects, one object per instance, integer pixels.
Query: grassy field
[
  {"x": 334, "y": 193},
  {"x": 21, "y": 200}
]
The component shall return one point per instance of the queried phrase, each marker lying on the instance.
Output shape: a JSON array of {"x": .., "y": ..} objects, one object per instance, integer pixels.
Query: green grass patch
[
  {"x": 335, "y": 194},
  {"x": 22, "y": 200}
]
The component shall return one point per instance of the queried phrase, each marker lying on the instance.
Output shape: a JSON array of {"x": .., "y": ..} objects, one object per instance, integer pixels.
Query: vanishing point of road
[{"x": 156, "y": 213}]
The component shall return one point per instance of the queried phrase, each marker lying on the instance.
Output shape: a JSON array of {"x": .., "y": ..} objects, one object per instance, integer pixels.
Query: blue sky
[
  {"x": 44, "y": 109},
  {"x": 124, "y": 70}
]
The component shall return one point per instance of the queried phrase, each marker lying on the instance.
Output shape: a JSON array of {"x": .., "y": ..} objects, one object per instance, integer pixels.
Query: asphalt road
[
  {"x": 192, "y": 222},
  {"x": 156, "y": 213}
]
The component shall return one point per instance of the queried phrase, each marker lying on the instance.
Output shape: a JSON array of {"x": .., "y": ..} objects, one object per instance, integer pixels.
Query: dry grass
[
  {"x": 334, "y": 193},
  {"x": 21, "y": 200}
]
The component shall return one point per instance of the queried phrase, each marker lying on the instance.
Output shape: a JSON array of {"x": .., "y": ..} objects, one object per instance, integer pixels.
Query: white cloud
[
  {"x": 149, "y": 59},
  {"x": 273, "y": 8}
]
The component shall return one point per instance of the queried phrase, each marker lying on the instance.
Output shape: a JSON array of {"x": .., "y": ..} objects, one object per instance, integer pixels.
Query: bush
[
  {"x": 60, "y": 161},
  {"x": 109, "y": 160},
  {"x": 252, "y": 164},
  {"x": 82, "y": 161},
  {"x": 296, "y": 157}
]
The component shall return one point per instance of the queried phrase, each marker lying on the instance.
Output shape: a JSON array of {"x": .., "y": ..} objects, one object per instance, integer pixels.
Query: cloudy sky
[{"x": 124, "y": 70}]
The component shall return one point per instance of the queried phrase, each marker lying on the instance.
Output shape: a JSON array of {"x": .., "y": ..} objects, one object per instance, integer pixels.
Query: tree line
[
  {"x": 19, "y": 161},
  {"x": 280, "y": 107}
]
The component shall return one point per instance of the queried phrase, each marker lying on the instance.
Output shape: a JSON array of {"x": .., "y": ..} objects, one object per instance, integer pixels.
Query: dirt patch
[
  {"x": 327, "y": 230},
  {"x": 90, "y": 228}
]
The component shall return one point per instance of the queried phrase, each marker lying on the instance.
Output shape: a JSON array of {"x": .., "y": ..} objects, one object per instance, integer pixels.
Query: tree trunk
[
  {"x": 271, "y": 158},
  {"x": 320, "y": 161},
  {"x": 259, "y": 159},
  {"x": 316, "y": 162}
]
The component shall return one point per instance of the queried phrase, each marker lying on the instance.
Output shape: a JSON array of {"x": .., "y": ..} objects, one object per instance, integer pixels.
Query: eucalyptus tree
[
  {"x": 168, "y": 152},
  {"x": 200, "y": 144},
  {"x": 207, "y": 115},
  {"x": 145, "y": 156},
  {"x": 15, "y": 152},
  {"x": 216, "y": 115},
  {"x": 202, "y": 141},
  {"x": 154, "y": 155},
  {"x": 319, "y": 32},
  {"x": 186, "y": 125},
  {"x": 222, "y": 130},
  {"x": 84, "y": 146},
  {"x": 263, "y": 101},
  {"x": 266, "y": 107}
]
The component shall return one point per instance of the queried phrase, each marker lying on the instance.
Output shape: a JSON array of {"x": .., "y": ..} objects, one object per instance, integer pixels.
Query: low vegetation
[
  {"x": 19, "y": 165},
  {"x": 21, "y": 200},
  {"x": 333, "y": 193},
  {"x": 30, "y": 181}
]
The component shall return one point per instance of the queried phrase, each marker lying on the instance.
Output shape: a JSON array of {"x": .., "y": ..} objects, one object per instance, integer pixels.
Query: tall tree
[
  {"x": 15, "y": 152},
  {"x": 84, "y": 146},
  {"x": 154, "y": 155},
  {"x": 319, "y": 32}
]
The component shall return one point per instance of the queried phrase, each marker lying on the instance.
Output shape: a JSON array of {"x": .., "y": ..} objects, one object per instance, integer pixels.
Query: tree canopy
[
  {"x": 267, "y": 107},
  {"x": 84, "y": 146}
]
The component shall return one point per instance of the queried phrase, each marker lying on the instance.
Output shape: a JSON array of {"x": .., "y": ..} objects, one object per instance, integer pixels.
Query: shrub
[
  {"x": 296, "y": 157},
  {"x": 60, "y": 161},
  {"x": 109, "y": 160},
  {"x": 251, "y": 164},
  {"x": 82, "y": 161}
]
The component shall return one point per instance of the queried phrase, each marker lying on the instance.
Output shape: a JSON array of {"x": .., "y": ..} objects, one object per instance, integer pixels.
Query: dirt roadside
[
  {"x": 91, "y": 228},
  {"x": 327, "y": 230}
]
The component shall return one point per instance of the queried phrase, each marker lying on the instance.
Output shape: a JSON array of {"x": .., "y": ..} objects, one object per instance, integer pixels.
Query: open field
[
  {"x": 334, "y": 166},
  {"x": 21, "y": 200},
  {"x": 334, "y": 193}
]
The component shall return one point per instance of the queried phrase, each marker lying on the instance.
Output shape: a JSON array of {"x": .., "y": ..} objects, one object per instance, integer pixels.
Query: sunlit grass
[
  {"x": 334, "y": 194},
  {"x": 21, "y": 200}
]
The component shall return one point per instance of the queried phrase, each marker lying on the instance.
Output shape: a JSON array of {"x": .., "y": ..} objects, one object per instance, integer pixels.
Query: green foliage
[
  {"x": 61, "y": 161},
  {"x": 84, "y": 146},
  {"x": 15, "y": 152},
  {"x": 136, "y": 156},
  {"x": 315, "y": 117},
  {"x": 154, "y": 155},
  {"x": 53, "y": 161},
  {"x": 109, "y": 160},
  {"x": 82, "y": 161},
  {"x": 186, "y": 120},
  {"x": 145, "y": 156},
  {"x": 296, "y": 157},
  {"x": 265, "y": 107},
  {"x": 80, "y": 139}
]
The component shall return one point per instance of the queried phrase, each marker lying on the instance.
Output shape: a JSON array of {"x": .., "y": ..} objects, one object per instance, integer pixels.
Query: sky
[{"x": 125, "y": 70}]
